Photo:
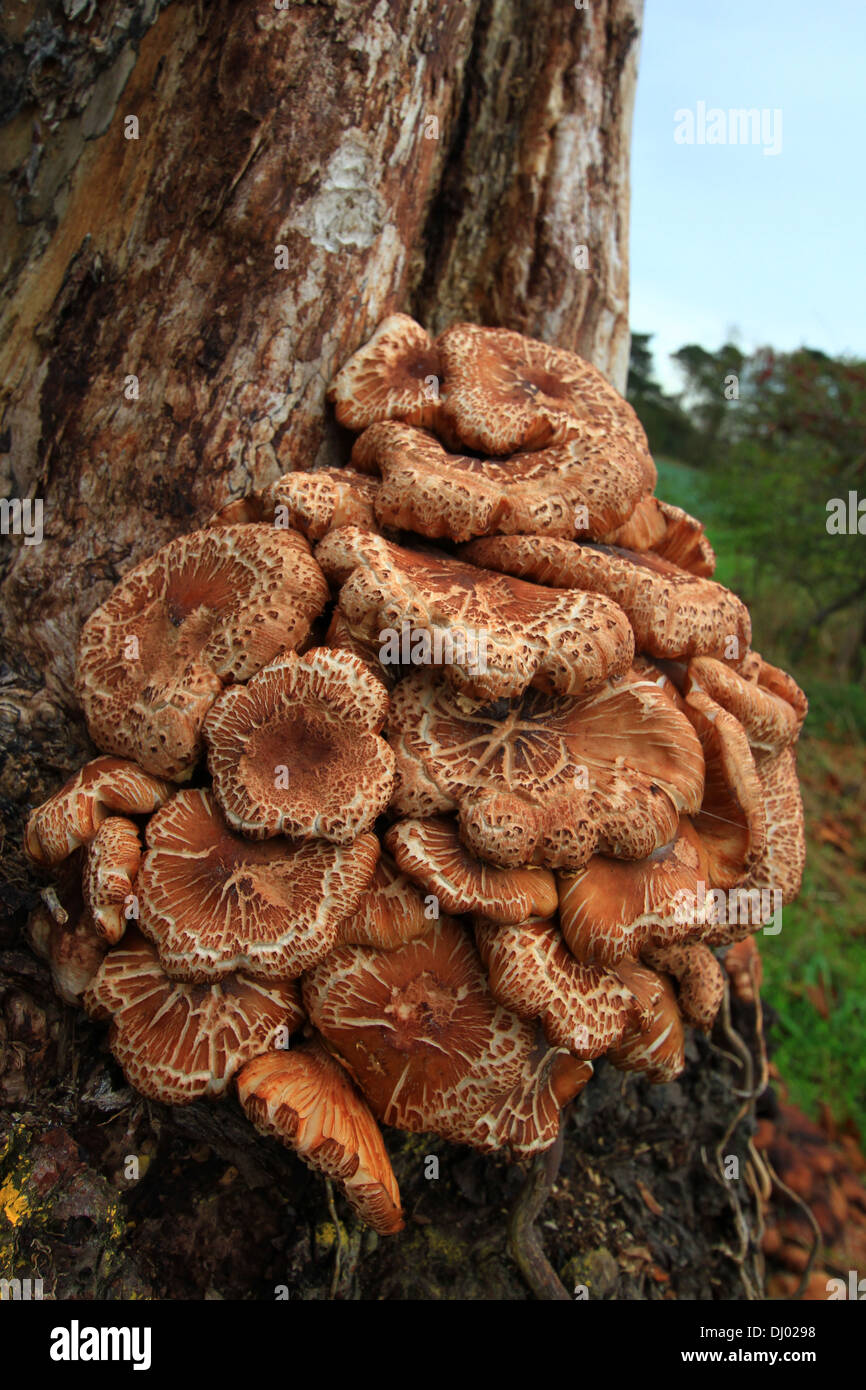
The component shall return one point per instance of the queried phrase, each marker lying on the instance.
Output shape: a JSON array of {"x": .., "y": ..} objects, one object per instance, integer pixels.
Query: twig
[{"x": 523, "y": 1239}]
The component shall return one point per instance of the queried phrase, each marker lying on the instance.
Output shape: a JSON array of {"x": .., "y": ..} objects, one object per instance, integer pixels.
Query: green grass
[{"x": 817, "y": 963}]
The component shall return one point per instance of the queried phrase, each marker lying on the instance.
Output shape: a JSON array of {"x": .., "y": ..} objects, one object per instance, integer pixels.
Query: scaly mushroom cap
[
  {"x": 584, "y": 1008},
  {"x": 432, "y": 1050},
  {"x": 658, "y": 1050},
  {"x": 771, "y": 709},
  {"x": 297, "y": 750},
  {"x": 776, "y": 875},
  {"x": 432, "y": 853},
  {"x": 547, "y": 779},
  {"x": 110, "y": 866},
  {"x": 571, "y": 489},
  {"x": 71, "y": 817},
  {"x": 340, "y": 637},
  {"x": 504, "y": 392},
  {"x": 616, "y": 907},
  {"x": 306, "y": 1100},
  {"x": 316, "y": 503},
  {"x": 207, "y": 609},
  {"x": 396, "y": 375},
  {"x": 390, "y": 913},
  {"x": 700, "y": 980},
  {"x": 673, "y": 614},
  {"x": 732, "y": 820},
  {"x": 490, "y": 634},
  {"x": 669, "y": 532},
  {"x": 214, "y": 903},
  {"x": 178, "y": 1041}
]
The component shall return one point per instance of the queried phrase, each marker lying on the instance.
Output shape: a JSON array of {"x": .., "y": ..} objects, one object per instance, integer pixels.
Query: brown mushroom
[
  {"x": 732, "y": 821},
  {"x": 432, "y": 853},
  {"x": 390, "y": 913},
  {"x": 547, "y": 779},
  {"x": 505, "y": 392},
  {"x": 396, "y": 375},
  {"x": 305, "y": 1099},
  {"x": 673, "y": 613},
  {"x": 318, "y": 502},
  {"x": 585, "y": 1008},
  {"x": 656, "y": 1050},
  {"x": 699, "y": 976},
  {"x": 614, "y": 908},
  {"x": 669, "y": 532},
  {"x": 491, "y": 635},
  {"x": 178, "y": 1041},
  {"x": 110, "y": 866},
  {"x": 214, "y": 903},
  {"x": 432, "y": 1050},
  {"x": 770, "y": 708},
  {"x": 775, "y": 876},
  {"x": 209, "y": 608},
  {"x": 570, "y": 489},
  {"x": 297, "y": 750},
  {"x": 71, "y": 817}
]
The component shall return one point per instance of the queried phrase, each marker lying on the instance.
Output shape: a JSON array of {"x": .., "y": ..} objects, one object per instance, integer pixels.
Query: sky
[{"x": 727, "y": 241}]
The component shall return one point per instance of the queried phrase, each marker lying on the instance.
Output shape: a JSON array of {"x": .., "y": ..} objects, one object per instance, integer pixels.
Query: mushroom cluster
[{"x": 426, "y": 781}]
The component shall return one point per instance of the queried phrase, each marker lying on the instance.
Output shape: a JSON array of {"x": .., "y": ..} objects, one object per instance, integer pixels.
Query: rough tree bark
[{"x": 442, "y": 158}]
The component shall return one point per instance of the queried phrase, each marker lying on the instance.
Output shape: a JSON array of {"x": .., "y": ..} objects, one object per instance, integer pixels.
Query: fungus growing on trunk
[
  {"x": 297, "y": 750},
  {"x": 71, "y": 817},
  {"x": 206, "y": 610}
]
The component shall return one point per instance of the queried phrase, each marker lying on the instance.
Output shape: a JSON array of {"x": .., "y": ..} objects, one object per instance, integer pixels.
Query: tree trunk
[{"x": 206, "y": 209}]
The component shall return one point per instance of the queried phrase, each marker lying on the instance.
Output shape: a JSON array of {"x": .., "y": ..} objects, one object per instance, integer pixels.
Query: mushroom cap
[
  {"x": 491, "y": 634},
  {"x": 505, "y": 392},
  {"x": 779, "y": 867},
  {"x": 669, "y": 532},
  {"x": 673, "y": 613},
  {"x": 214, "y": 903},
  {"x": 584, "y": 1008},
  {"x": 547, "y": 779},
  {"x": 297, "y": 750},
  {"x": 110, "y": 866},
  {"x": 700, "y": 980},
  {"x": 178, "y": 1041},
  {"x": 305, "y": 1099},
  {"x": 207, "y": 609},
  {"x": 388, "y": 378},
  {"x": 340, "y": 637},
  {"x": 732, "y": 820},
  {"x": 771, "y": 708},
  {"x": 390, "y": 913},
  {"x": 614, "y": 908},
  {"x": 432, "y": 1050},
  {"x": 71, "y": 817},
  {"x": 432, "y": 853},
  {"x": 567, "y": 490},
  {"x": 656, "y": 1050},
  {"x": 316, "y": 503}
]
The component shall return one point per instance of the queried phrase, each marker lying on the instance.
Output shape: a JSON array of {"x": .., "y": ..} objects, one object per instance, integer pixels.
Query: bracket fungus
[{"x": 621, "y": 751}]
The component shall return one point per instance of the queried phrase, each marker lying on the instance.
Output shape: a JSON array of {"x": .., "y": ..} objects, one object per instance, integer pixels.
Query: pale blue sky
[{"x": 724, "y": 237}]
